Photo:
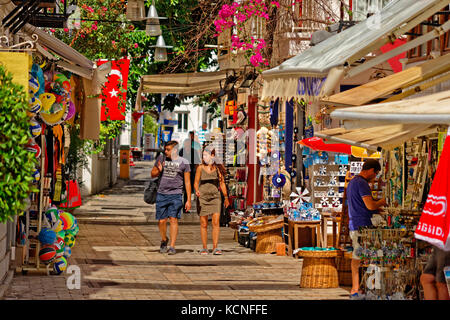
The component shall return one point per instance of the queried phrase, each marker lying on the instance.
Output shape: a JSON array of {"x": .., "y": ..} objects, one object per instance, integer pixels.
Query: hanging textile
[{"x": 289, "y": 134}]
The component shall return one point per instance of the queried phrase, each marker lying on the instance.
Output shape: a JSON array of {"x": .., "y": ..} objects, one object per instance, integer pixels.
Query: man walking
[
  {"x": 361, "y": 207},
  {"x": 191, "y": 151},
  {"x": 169, "y": 199}
]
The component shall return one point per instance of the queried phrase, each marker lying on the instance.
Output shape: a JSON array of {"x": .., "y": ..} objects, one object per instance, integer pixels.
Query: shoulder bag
[{"x": 152, "y": 188}]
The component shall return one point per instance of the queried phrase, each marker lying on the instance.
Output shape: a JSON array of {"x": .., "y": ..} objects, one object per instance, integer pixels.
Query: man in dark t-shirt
[{"x": 361, "y": 207}]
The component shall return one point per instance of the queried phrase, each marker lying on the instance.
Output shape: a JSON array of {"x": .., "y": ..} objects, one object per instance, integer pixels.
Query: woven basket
[
  {"x": 319, "y": 269},
  {"x": 344, "y": 268},
  {"x": 269, "y": 223},
  {"x": 266, "y": 242}
]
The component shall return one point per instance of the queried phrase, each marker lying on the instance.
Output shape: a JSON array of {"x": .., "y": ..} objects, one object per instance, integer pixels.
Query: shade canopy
[
  {"x": 183, "y": 83},
  {"x": 385, "y": 86},
  {"x": 427, "y": 110},
  {"x": 318, "y": 144},
  {"x": 375, "y": 138},
  {"x": 348, "y": 46}
]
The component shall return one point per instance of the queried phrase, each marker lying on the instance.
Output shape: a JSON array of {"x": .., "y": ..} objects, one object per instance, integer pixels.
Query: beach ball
[
  {"x": 35, "y": 128},
  {"x": 36, "y": 176},
  {"x": 61, "y": 234},
  {"x": 67, "y": 252},
  {"x": 47, "y": 254},
  {"x": 69, "y": 240},
  {"x": 58, "y": 226},
  {"x": 60, "y": 241},
  {"x": 34, "y": 148},
  {"x": 35, "y": 105},
  {"x": 67, "y": 218},
  {"x": 33, "y": 84},
  {"x": 60, "y": 265},
  {"x": 59, "y": 248},
  {"x": 47, "y": 236},
  {"x": 52, "y": 216}
]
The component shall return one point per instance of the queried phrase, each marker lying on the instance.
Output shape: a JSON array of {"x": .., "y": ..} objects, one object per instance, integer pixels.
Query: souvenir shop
[
  {"x": 46, "y": 232},
  {"x": 311, "y": 221}
]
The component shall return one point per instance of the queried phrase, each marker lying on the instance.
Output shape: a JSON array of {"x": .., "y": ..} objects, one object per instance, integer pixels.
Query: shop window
[{"x": 183, "y": 121}]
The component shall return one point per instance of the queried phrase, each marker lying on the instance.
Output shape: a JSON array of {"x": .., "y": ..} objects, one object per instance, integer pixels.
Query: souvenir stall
[{"x": 46, "y": 232}]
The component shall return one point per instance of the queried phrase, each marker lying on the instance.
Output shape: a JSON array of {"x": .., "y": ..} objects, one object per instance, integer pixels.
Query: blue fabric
[
  {"x": 358, "y": 213},
  {"x": 168, "y": 205},
  {"x": 289, "y": 135},
  {"x": 274, "y": 113}
]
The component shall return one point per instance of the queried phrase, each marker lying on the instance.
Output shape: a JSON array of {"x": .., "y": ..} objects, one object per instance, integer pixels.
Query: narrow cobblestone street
[{"x": 117, "y": 251}]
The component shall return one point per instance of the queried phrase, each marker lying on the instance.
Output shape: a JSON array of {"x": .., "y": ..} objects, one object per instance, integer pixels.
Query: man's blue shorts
[{"x": 168, "y": 205}]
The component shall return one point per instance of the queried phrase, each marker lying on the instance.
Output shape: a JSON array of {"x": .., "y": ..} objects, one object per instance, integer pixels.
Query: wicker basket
[
  {"x": 266, "y": 242},
  {"x": 344, "y": 268},
  {"x": 269, "y": 223},
  {"x": 319, "y": 269}
]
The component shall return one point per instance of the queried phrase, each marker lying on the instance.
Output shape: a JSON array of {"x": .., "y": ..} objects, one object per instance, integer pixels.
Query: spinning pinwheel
[{"x": 300, "y": 196}]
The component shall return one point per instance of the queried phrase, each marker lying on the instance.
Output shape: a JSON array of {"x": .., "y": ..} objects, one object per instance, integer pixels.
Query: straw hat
[{"x": 56, "y": 114}]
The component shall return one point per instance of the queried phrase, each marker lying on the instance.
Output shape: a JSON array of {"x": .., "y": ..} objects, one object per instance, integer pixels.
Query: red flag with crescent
[
  {"x": 434, "y": 223},
  {"x": 114, "y": 93}
]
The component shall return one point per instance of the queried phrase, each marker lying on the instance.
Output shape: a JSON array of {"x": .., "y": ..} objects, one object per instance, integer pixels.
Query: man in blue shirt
[{"x": 361, "y": 207}]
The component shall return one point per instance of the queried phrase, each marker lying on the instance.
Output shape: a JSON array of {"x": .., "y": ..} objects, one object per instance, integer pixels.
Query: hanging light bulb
[
  {"x": 153, "y": 27},
  {"x": 161, "y": 49},
  {"x": 135, "y": 10}
]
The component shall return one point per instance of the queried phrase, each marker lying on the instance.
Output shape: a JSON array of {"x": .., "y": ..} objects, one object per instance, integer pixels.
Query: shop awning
[
  {"x": 348, "y": 46},
  {"x": 427, "y": 110},
  {"x": 183, "y": 83},
  {"x": 74, "y": 61},
  {"x": 375, "y": 138},
  {"x": 388, "y": 85}
]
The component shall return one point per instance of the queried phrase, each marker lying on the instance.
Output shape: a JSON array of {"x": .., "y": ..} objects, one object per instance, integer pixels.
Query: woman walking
[{"x": 209, "y": 181}]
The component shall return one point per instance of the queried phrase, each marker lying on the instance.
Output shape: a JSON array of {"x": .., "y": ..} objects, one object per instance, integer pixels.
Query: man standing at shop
[
  {"x": 169, "y": 198},
  {"x": 361, "y": 207},
  {"x": 202, "y": 134}
]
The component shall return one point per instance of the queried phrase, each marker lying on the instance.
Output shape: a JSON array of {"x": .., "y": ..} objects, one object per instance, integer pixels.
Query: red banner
[
  {"x": 114, "y": 93},
  {"x": 434, "y": 224},
  {"x": 394, "y": 62}
]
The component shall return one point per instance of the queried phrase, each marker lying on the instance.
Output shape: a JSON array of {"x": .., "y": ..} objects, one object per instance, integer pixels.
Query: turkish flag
[
  {"x": 112, "y": 96},
  {"x": 434, "y": 223}
]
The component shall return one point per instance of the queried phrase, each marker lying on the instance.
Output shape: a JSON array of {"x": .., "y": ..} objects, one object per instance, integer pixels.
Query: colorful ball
[
  {"x": 61, "y": 234},
  {"x": 67, "y": 218},
  {"x": 34, "y": 148},
  {"x": 59, "y": 249},
  {"x": 35, "y": 128},
  {"x": 52, "y": 216},
  {"x": 58, "y": 226},
  {"x": 47, "y": 236},
  {"x": 33, "y": 84},
  {"x": 36, "y": 176},
  {"x": 60, "y": 265},
  {"x": 35, "y": 105},
  {"x": 69, "y": 240},
  {"x": 47, "y": 253},
  {"x": 67, "y": 252}
]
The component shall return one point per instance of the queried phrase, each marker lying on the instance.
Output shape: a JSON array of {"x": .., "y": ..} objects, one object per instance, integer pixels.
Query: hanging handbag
[{"x": 152, "y": 188}]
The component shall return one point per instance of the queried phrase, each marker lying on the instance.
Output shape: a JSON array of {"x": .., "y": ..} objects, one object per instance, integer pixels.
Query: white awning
[
  {"x": 374, "y": 138},
  {"x": 429, "y": 110},
  {"x": 348, "y": 46},
  {"x": 183, "y": 83}
]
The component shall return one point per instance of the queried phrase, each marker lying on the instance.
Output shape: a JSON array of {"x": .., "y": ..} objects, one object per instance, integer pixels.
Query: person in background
[
  {"x": 202, "y": 133},
  {"x": 209, "y": 181},
  {"x": 433, "y": 279},
  {"x": 361, "y": 207},
  {"x": 169, "y": 198},
  {"x": 191, "y": 151}
]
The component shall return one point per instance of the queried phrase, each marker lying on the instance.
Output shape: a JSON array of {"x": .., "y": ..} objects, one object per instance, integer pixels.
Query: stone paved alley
[{"x": 117, "y": 251}]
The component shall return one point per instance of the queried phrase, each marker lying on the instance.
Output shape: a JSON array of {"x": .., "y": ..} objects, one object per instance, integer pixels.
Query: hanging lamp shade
[
  {"x": 161, "y": 49},
  {"x": 153, "y": 27},
  {"x": 135, "y": 10}
]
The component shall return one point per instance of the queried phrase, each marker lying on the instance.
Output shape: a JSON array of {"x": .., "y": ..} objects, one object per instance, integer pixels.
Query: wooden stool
[
  {"x": 316, "y": 225},
  {"x": 327, "y": 216}
]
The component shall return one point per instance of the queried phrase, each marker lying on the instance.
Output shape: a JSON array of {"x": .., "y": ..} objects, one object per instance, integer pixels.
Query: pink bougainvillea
[{"x": 236, "y": 15}]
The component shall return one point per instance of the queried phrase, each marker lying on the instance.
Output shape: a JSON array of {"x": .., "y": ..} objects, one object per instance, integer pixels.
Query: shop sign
[{"x": 356, "y": 167}]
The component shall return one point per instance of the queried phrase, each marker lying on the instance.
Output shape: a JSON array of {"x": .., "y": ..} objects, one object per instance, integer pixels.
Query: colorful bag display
[{"x": 73, "y": 199}]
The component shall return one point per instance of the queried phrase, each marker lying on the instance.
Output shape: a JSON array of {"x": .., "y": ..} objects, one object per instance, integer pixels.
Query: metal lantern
[
  {"x": 161, "y": 49},
  {"x": 153, "y": 27},
  {"x": 135, "y": 10}
]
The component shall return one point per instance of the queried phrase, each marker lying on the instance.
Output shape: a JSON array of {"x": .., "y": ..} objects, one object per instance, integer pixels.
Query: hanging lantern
[
  {"x": 135, "y": 10},
  {"x": 161, "y": 49},
  {"x": 153, "y": 27}
]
